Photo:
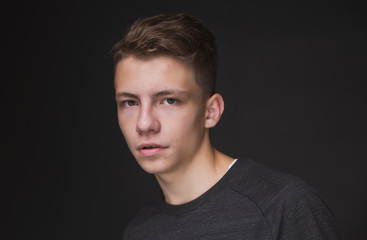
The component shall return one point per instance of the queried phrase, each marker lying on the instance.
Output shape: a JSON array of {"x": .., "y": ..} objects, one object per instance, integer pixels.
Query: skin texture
[{"x": 166, "y": 124}]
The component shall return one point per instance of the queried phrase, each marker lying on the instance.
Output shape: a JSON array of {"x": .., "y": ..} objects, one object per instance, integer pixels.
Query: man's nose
[{"x": 147, "y": 123}]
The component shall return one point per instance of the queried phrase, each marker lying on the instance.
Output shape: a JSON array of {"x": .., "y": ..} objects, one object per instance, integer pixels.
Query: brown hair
[{"x": 181, "y": 36}]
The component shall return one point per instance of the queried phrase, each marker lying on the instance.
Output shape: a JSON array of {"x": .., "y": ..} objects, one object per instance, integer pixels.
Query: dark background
[{"x": 292, "y": 75}]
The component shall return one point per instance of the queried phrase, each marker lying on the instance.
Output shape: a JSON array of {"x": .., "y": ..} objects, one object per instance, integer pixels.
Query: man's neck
[{"x": 199, "y": 176}]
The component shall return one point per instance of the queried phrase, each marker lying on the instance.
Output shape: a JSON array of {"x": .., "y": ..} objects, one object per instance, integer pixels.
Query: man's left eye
[{"x": 170, "y": 101}]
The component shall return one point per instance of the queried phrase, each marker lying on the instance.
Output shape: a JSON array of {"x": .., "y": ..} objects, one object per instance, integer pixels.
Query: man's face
[{"x": 160, "y": 111}]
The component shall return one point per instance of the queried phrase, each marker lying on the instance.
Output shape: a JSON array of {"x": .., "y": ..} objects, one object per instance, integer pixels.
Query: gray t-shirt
[{"x": 250, "y": 202}]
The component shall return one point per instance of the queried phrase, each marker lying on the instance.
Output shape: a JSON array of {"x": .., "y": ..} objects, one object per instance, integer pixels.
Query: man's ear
[{"x": 214, "y": 110}]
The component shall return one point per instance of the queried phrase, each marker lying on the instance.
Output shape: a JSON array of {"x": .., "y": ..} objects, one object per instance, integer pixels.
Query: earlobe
[{"x": 214, "y": 110}]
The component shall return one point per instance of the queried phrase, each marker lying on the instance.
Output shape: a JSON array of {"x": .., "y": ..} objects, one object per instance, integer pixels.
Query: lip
[{"x": 147, "y": 151}]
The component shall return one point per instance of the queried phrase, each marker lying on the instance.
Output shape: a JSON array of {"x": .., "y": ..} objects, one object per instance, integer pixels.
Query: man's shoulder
[
  {"x": 143, "y": 217},
  {"x": 145, "y": 214},
  {"x": 284, "y": 200},
  {"x": 266, "y": 187},
  {"x": 258, "y": 182}
]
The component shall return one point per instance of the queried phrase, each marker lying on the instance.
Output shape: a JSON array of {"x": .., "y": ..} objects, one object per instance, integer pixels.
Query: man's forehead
[{"x": 159, "y": 73}]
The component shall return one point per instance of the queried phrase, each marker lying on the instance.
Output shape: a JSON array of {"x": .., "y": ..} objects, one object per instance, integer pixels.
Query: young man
[{"x": 165, "y": 71}]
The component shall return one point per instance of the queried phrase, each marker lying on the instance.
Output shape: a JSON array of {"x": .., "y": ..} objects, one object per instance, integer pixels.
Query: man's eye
[
  {"x": 129, "y": 103},
  {"x": 170, "y": 101}
]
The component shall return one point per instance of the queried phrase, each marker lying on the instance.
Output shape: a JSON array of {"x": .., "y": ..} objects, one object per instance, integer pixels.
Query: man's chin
[{"x": 154, "y": 165}]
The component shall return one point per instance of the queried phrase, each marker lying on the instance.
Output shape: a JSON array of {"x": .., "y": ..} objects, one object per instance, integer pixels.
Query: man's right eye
[{"x": 129, "y": 103}]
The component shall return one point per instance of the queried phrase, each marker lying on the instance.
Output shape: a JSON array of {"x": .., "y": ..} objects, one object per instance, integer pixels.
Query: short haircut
[{"x": 180, "y": 36}]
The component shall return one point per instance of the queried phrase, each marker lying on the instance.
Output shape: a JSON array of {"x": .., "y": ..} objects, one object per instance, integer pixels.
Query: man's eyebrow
[
  {"x": 125, "y": 94},
  {"x": 172, "y": 92},
  {"x": 157, "y": 94}
]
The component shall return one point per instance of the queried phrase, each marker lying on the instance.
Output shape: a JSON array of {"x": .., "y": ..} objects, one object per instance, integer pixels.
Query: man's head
[
  {"x": 164, "y": 82},
  {"x": 180, "y": 36}
]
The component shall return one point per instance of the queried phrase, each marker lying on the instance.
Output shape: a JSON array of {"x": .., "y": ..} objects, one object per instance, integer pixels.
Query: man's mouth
[
  {"x": 150, "y": 149},
  {"x": 149, "y": 146}
]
